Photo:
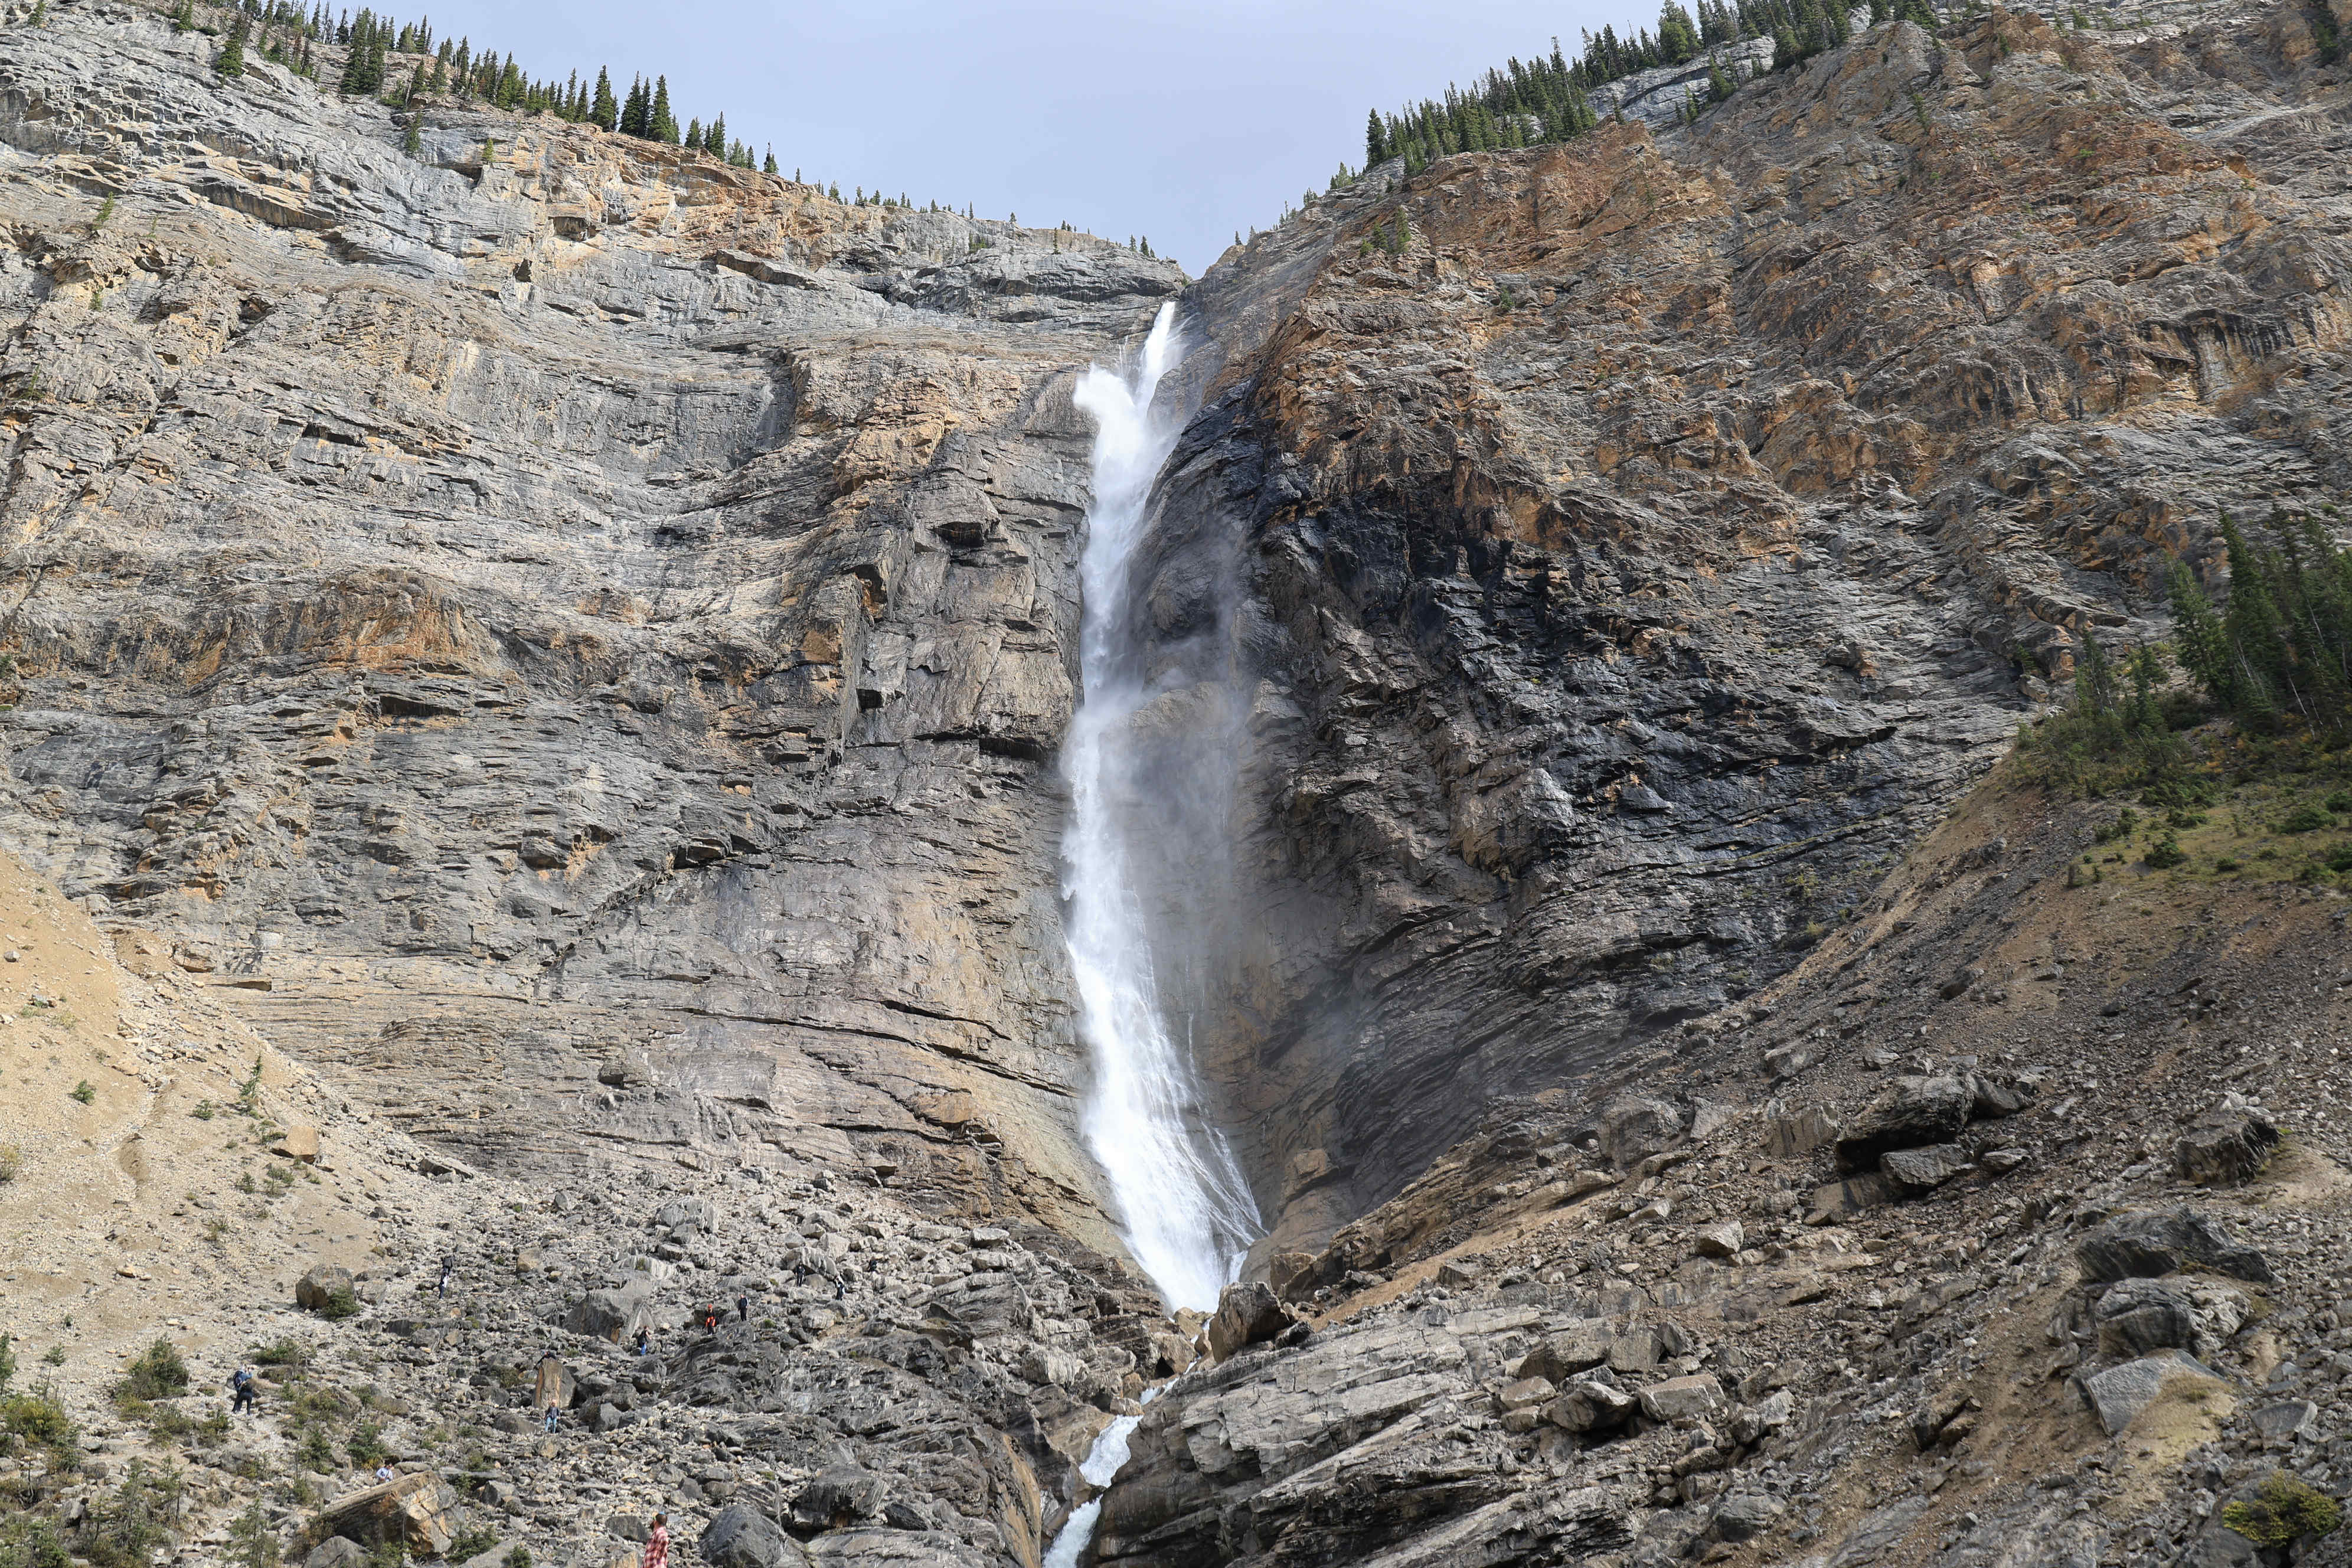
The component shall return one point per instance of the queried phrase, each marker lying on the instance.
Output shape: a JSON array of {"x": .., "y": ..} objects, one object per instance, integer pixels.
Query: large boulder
[
  {"x": 2136, "y": 1316},
  {"x": 740, "y": 1536},
  {"x": 1835, "y": 1201},
  {"x": 893, "y": 1548},
  {"x": 615, "y": 1313},
  {"x": 2152, "y": 1243},
  {"x": 1592, "y": 1404},
  {"x": 1743, "y": 1515},
  {"x": 418, "y": 1512},
  {"x": 1248, "y": 1313},
  {"x": 1911, "y": 1114},
  {"x": 1581, "y": 1346},
  {"x": 1692, "y": 1398},
  {"x": 2118, "y": 1395},
  {"x": 1921, "y": 1170},
  {"x": 321, "y": 1285},
  {"x": 1789, "y": 1133},
  {"x": 2229, "y": 1143},
  {"x": 1636, "y": 1126},
  {"x": 838, "y": 1498}
]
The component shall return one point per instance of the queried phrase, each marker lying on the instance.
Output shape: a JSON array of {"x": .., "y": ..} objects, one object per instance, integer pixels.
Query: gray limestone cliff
[{"x": 568, "y": 633}]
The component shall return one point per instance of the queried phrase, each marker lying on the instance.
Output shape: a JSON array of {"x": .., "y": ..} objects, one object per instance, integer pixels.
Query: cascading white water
[
  {"x": 1185, "y": 1212},
  {"x": 1103, "y": 1461}
]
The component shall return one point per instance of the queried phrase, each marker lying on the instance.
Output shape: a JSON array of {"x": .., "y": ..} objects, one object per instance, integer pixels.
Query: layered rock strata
[
  {"x": 569, "y": 636},
  {"x": 1619, "y": 576}
]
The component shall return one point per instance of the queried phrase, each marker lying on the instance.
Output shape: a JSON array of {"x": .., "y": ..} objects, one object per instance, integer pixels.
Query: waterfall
[
  {"x": 1183, "y": 1208},
  {"x": 1103, "y": 1461}
]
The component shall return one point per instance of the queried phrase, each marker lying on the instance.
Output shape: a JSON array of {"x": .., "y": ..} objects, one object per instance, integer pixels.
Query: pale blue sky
[{"x": 1182, "y": 122}]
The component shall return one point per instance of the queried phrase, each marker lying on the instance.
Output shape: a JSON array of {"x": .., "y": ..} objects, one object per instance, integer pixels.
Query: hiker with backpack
[{"x": 241, "y": 1387}]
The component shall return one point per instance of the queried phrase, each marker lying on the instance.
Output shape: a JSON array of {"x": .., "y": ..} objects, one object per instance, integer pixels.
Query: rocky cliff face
[
  {"x": 1623, "y": 574},
  {"x": 571, "y": 635},
  {"x": 556, "y": 650}
]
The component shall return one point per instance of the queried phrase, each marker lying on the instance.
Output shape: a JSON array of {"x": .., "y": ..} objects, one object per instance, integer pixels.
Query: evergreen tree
[
  {"x": 2094, "y": 678},
  {"x": 2253, "y": 628},
  {"x": 1376, "y": 142},
  {"x": 634, "y": 115},
  {"x": 184, "y": 17},
  {"x": 411, "y": 134},
  {"x": 694, "y": 134},
  {"x": 714, "y": 140},
  {"x": 661, "y": 125},
  {"x": 769, "y": 167},
  {"x": 1677, "y": 35},
  {"x": 603, "y": 112},
  {"x": 230, "y": 61}
]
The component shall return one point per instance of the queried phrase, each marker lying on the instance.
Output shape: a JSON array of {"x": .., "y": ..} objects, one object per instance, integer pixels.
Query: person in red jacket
[{"x": 657, "y": 1544}]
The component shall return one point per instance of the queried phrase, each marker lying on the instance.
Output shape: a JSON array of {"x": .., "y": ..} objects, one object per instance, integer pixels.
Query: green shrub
[
  {"x": 471, "y": 1543},
  {"x": 158, "y": 1373},
  {"x": 2306, "y": 818},
  {"x": 8, "y": 1361},
  {"x": 39, "y": 1418},
  {"x": 2285, "y": 1509},
  {"x": 29, "y": 1542},
  {"x": 124, "y": 1531},
  {"x": 365, "y": 1445},
  {"x": 83, "y": 1091},
  {"x": 283, "y": 1352},
  {"x": 519, "y": 1558},
  {"x": 339, "y": 1304},
  {"x": 2340, "y": 801},
  {"x": 2167, "y": 853},
  {"x": 206, "y": 1111},
  {"x": 12, "y": 1162},
  {"x": 252, "y": 1542},
  {"x": 316, "y": 1450}
]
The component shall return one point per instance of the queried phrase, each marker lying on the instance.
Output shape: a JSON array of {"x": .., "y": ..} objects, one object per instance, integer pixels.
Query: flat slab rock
[{"x": 2119, "y": 1394}]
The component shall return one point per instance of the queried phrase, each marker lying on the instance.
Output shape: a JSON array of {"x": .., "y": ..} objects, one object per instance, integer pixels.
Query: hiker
[
  {"x": 383, "y": 1472},
  {"x": 743, "y": 1309},
  {"x": 552, "y": 1411},
  {"x": 242, "y": 1384},
  {"x": 657, "y": 1544},
  {"x": 446, "y": 1264},
  {"x": 645, "y": 1344}
]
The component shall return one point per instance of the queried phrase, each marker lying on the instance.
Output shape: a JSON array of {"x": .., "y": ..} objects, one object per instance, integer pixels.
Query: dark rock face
[
  {"x": 2149, "y": 1245},
  {"x": 2136, "y": 1316},
  {"x": 2231, "y": 1142},
  {"x": 1617, "y": 576},
  {"x": 1913, "y": 1113}
]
